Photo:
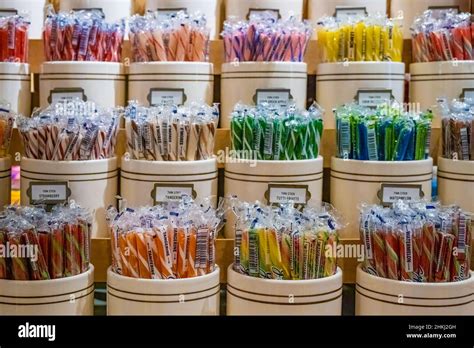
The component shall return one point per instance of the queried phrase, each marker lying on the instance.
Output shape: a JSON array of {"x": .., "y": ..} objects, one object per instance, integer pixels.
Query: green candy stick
[
  {"x": 237, "y": 133},
  {"x": 248, "y": 137}
]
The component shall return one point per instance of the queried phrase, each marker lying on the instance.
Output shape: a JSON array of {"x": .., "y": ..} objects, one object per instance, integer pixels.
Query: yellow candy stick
[
  {"x": 275, "y": 254},
  {"x": 330, "y": 254},
  {"x": 360, "y": 41},
  {"x": 378, "y": 47},
  {"x": 369, "y": 43},
  {"x": 397, "y": 43}
]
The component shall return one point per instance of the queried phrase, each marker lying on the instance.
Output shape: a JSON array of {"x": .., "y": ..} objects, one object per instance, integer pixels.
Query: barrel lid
[
  {"x": 361, "y": 68},
  {"x": 438, "y": 68},
  {"x": 178, "y": 68},
  {"x": 249, "y": 67},
  {"x": 14, "y": 68},
  {"x": 103, "y": 68}
]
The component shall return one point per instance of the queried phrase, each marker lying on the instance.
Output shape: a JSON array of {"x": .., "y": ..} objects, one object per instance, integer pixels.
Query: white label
[
  {"x": 438, "y": 11},
  {"x": 350, "y": 11},
  {"x": 61, "y": 96},
  {"x": 167, "y": 97},
  {"x": 468, "y": 93},
  {"x": 49, "y": 193},
  {"x": 96, "y": 11},
  {"x": 8, "y": 12},
  {"x": 257, "y": 11},
  {"x": 394, "y": 193},
  {"x": 170, "y": 11},
  {"x": 285, "y": 194},
  {"x": 172, "y": 194},
  {"x": 374, "y": 98},
  {"x": 278, "y": 97}
]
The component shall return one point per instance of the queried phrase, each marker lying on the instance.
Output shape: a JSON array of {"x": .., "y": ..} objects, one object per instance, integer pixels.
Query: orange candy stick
[
  {"x": 133, "y": 254},
  {"x": 142, "y": 255}
]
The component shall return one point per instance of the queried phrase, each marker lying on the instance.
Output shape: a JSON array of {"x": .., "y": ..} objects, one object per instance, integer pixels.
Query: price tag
[
  {"x": 94, "y": 10},
  {"x": 6, "y": 12},
  {"x": 391, "y": 193},
  {"x": 166, "y": 193},
  {"x": 342, "y": 11},
  {"x": 167, "y": 12},
  {"x": 275, "y": 13},
  {"x": 438, "y": 11},
  {"x": 273, "y": 97},
  {"x": 280, "y": 193},
  {"x": 163, "y": 96},
  {"x": 467, "y": 93},
  {"x": 373, "y": 97},
  {"x": 66, "y": 94},
  {"x": 49, "y": 192}
]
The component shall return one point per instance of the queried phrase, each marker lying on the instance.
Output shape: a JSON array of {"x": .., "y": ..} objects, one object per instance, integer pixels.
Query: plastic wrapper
[
  {"x": 172, "y": 241},
  {"x": 458, "y": 130},
  {"x": 385, "y": 133},
  {"x": 82, "y": 36},
  {"x": 285, "y": 243},
  {"x": 442, "y": 36},
  {"x": 14, "y": 39},
  {"x": 416, "y": 242},
  {"x": 270, "y": 133},
  {"x": 44, "y": 245},
  {"x": 264, "y": 39},
  {"x": 360, "y": 38},
  {"x": 176, "y": 38},
  {"x": 171, "y": 133},
  {"x": 70, "y": 131}
]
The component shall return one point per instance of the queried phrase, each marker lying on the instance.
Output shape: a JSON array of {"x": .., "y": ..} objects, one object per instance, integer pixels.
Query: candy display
[
  {"x": 360, "y": 38},
  {"x": 458, "y": 130},
  {"x": 171, "y": 133},
  {"x": 14, "y": 39},
  {"x": 417, "y": 242},
  {"x": 442, "y": 37},
  {"x": 176, "y": 38},
  {"x": 164, "y": 242},
  {"x": 70, "y": 131},
  {"x": 82, "y": 36},
  {"x": 268, "y": 133},
  {"x": 263, "y": 39},
  {"x": 284, "y": 243},
  {"x": 41, "y": 245},
  {"x": 7, "y": 119},
  {"x": 383, "y": 134}
]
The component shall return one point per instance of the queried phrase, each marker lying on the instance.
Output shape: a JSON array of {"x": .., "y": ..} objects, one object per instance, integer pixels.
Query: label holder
[
  {"x": 342, "y": 9},
  {"x": 51, "y": 202},
  {"x": 6, "y": 12},
  {"x": 99, "y": 10},
  {"x": 71, "y": 90},
  {"x": 272, "y": 90},
  {"x": 362, "y": 92},
  {"x": 466, "y": 91},
  {"x": 170, "y": 11},
  {"x": 164, "y": 90},
  {"x": 288, "y": 187},
  {"x": 383, "y": 187},
  {"x": 157, "y": 186},
  {"x": 252, "y": 10}
]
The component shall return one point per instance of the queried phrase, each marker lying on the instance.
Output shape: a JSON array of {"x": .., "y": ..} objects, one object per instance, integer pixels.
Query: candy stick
[
  {"x": 3, "y": 260},
  {"x": 393, "y": 261},
  {"x": 191, "y": 253},
  {"x": 145, "y": 264},
  {"x": 19, "y": 266},
  {"x": 56, "y": 269}
]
